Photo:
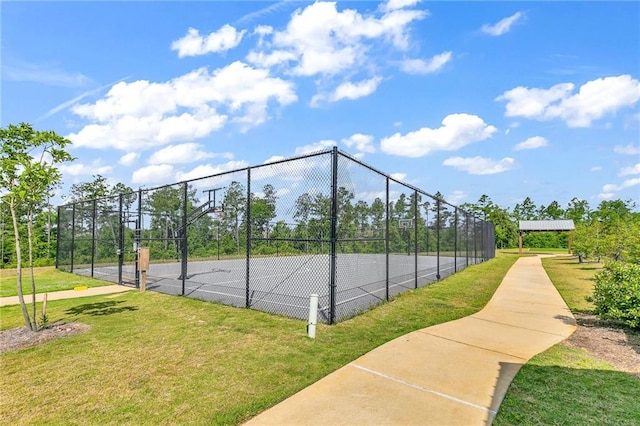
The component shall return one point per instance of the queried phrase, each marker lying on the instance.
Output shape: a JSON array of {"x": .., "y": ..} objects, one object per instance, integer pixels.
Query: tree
[
  {"x": 234, "y": 204},
  {"x": 554, "y": 211},
  {"x": 98, "y": 188},
  {"x": 28, "y": 176},
  {"x": 263, "y": 210},
  {"x": 578, "y": 211},
  {"x": 526, "y": 210}
]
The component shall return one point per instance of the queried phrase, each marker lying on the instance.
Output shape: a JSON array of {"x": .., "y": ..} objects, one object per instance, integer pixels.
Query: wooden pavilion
[{"x": 544, "y": 226}]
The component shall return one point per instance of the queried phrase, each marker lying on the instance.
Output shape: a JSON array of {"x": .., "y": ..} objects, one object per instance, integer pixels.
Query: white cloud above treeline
[
  {"x": 594, "y": 100},
  {"x": 193, "y": 44},
  {"x": 333, "y": 47},
  {"x": 183, "y": 153},
  {"x": 534, "y": 142},
  {"x": 420, "y": 66},
  {"x": 503, "y": 26},
  {"x": 456, "y": 131},
  {"x": 480, "y": 165},
  {"x": 141, "y": 115},
  {"x": 630, "y": 149}
]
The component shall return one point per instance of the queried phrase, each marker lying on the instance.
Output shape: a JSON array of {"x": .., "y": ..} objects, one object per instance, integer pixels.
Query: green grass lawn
[
  {"x": 536, "y": 251},
  {"x": 47, "y": 279},
  {"x": 566, "y": 385},
  {"x": 573, "y": 280},
  {"x": 153, "y": 359}
]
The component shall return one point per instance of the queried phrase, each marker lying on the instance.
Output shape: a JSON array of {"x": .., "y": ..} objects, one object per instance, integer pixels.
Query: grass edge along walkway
[
  {"x": 151, "y": 357},
  {"x": 567, "y": 385},
  {"x": 47, "y": 278}
]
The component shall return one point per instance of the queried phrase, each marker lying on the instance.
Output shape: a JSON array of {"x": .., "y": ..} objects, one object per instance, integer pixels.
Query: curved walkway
[
  {"x": 455, "y": 373},
  {"x": 66, "y": 294}
]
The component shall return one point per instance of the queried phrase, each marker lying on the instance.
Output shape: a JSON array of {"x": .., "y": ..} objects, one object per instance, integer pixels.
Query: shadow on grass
[
  {"x": 562, "y": 395},
  {"x": 590, "y": 268},
  {"x": 100, "y": 308}
]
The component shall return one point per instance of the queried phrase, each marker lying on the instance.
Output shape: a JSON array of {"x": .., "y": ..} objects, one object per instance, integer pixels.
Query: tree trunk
[
  {"x": 34, "y": 325},
  {"x": 16, "y": 233}
]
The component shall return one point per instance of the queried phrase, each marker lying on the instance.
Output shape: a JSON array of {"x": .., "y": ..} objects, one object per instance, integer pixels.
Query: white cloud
[
  {"x": 397, "y": 4},
  {"x": 362, "y": 143},
  {"x": 319, "y": 39},
  {"x": 594, "y": 99},
  {"x": 193, "y": 44},
  {"x": 595, "y": 169},
  {"x": 157, "y": 173},
  {"x": 399, "y": 176},
  {"x": 265, "y": 11},
  {"x": 457, "y": 197},
  {"x": 315, "y": 147},
  {"x": 138, "y": 133},
  {"x": 66, "y": 104},
  {"x": 78, "y": 169},
  {"x": 273, "y": 159},
  {"x": 609, "y": 190},
  {"x": 531, "y": 143},
  {"x": 632, "y": 170},
  {"x": 420, "y": 66},
  {"x": 531, "y": 103},
  {"x": 183, "y": 153},
  {"x": 349, "y": 91},
  {"x": 268, "y": 60},
  {"x": 480, "y": 165},
  {"x": 606, "y": 195},
  {"x": 141, "y": 115},
  {"x": 129, "y": 159},
  {"x": 457, "y": 130},
  {"x": 204, "y": 170},
  {"x": 503, "y": 26},
  {"x": 631, "y": 149}
]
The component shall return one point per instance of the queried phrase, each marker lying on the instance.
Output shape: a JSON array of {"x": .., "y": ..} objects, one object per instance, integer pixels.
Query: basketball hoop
[
  {"x": 405, "y": 224},
  {"x": 218, "y": 211}
]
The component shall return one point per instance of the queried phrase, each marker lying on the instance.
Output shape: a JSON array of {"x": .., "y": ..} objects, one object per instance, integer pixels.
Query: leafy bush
[{"x": 616, "y": 293}]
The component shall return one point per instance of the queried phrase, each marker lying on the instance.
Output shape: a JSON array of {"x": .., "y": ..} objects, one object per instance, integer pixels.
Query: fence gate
[{"x": 128, "y": 249}]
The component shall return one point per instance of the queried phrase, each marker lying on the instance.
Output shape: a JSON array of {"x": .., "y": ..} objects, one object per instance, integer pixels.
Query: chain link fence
[{"x": 269, "y": 236}]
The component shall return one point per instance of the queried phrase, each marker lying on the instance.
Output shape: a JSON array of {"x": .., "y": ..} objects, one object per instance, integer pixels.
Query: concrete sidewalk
[
  {"x": 66, "y": 294},
  {"x": 455, "y": 373}
]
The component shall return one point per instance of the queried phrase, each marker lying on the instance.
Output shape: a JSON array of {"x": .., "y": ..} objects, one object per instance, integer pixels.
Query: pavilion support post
[{"x": 520, "y": 242}]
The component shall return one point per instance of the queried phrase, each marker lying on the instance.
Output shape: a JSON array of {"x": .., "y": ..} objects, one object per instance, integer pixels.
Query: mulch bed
[
  {"x": 23, "y": 337},
  {"x": 610, "y": 342}
]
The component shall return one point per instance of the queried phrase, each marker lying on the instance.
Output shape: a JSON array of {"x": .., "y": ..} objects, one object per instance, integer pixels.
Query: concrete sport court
[{"x": 282, "y": 285}]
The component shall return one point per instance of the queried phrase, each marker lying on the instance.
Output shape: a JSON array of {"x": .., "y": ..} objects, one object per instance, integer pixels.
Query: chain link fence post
[
  {"x": 333, "y": 235},
  {"x": 248, "y": 242}
]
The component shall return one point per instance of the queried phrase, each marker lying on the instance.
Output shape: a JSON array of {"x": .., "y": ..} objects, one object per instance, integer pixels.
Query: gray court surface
[{"x": 282, "y": 285}]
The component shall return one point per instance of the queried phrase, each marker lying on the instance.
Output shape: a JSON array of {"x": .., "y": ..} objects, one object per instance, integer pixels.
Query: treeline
[
  {"x": 219, "y": 228},
  {"x": 611, "y": 230}
]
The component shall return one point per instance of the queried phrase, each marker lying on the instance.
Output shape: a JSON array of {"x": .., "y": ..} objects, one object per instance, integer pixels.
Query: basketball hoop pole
[
  {"x": 408, "y": 241},
  {"x": 405, "y": 225},
  {"x": 214, "y": 190}
]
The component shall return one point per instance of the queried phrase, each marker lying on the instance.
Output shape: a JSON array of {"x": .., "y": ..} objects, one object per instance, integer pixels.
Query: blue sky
[{"x": 508, "y": 99}]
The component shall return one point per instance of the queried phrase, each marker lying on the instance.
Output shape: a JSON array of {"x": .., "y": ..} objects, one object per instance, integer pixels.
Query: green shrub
[{"x": 616, "y": 293}]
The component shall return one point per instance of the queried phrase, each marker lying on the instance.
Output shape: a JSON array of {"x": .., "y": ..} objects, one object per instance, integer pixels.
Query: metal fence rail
[{"x": 269, "y": 236}]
